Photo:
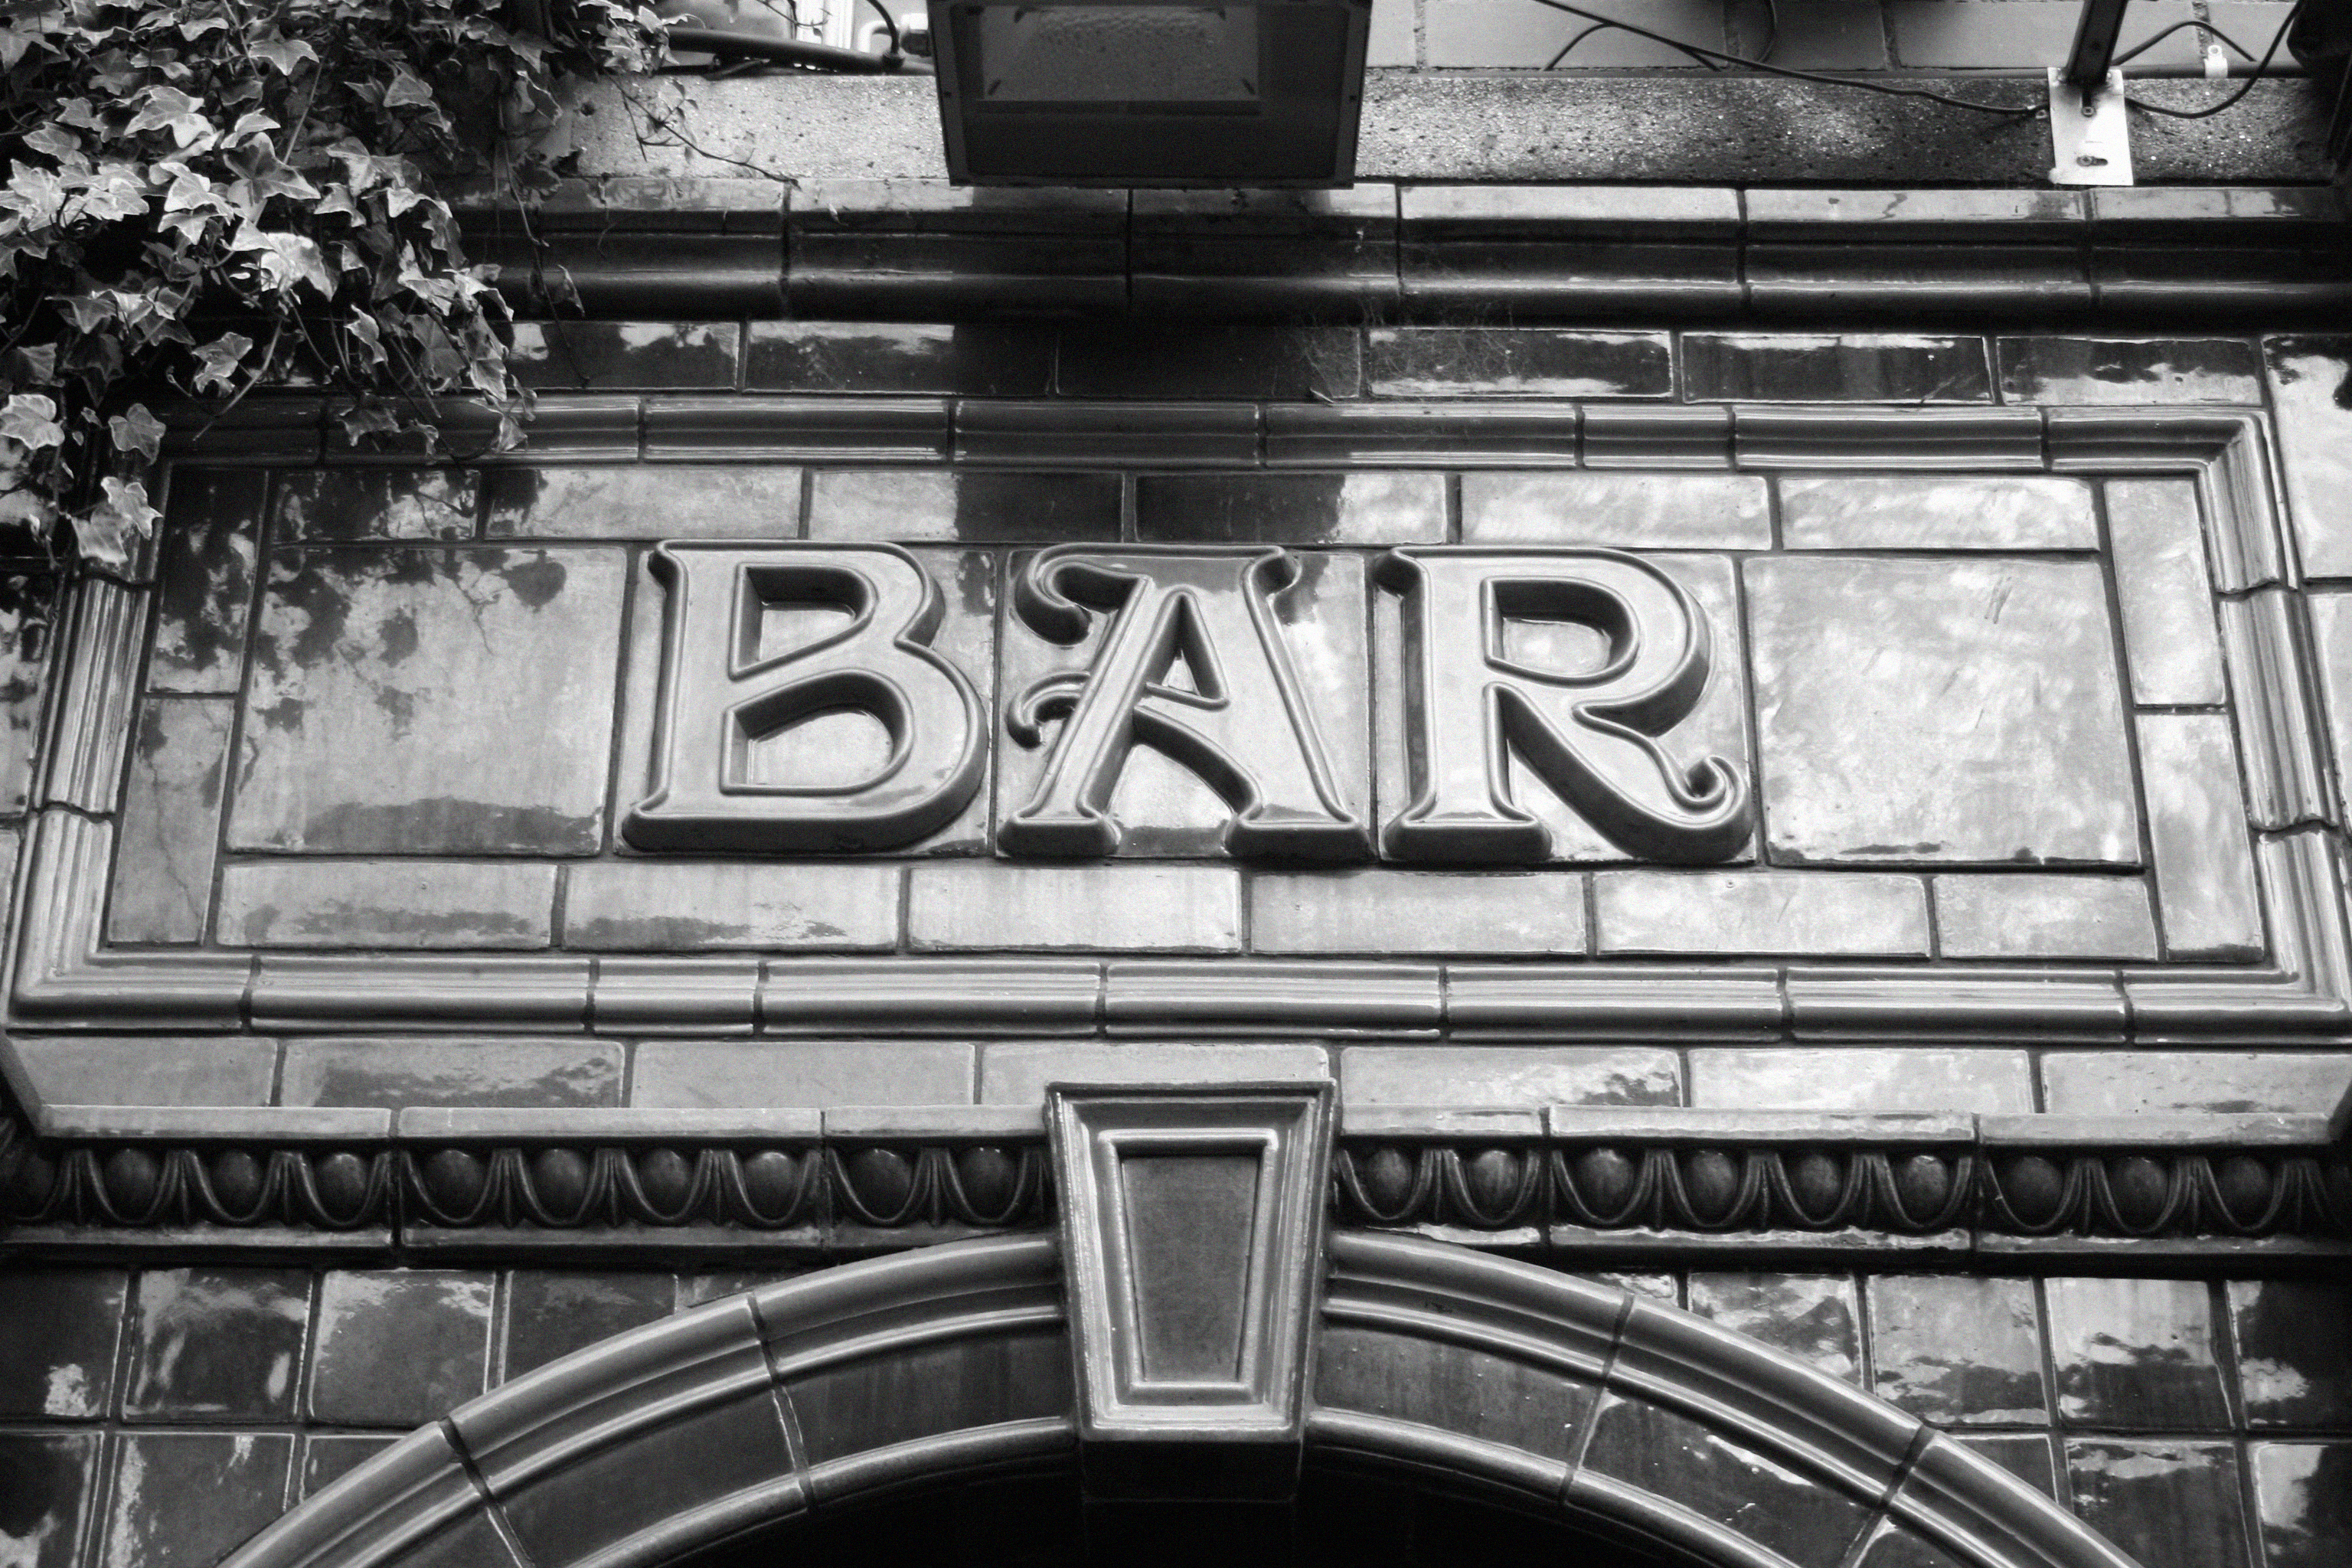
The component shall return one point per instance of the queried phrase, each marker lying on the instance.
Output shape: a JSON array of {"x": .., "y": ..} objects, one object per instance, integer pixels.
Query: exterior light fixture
[{"x": 1150, "y": 92}]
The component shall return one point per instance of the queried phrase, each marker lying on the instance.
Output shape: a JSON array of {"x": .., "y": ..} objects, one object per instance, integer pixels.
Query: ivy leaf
[
  {"x": 407, "y": 90},
  {"x": 250, "y": 124},
  {"x": 266, "y": 176},
  {"x": 218, "y": 360},
  {"x": 30, "y": 420},
  {"x": 55, "y": 142},
  {"x": 285, "y": 53},
  {"x": 35, "y": 194},
  {"x": 121, "y": 515},
  {"x": 89, "y": 312},
  {"x": 136, "y": 430},
  {"x": 113, "y": 196},
  {"x": 169, "y": 108},
  {"x": 39, "y": 360}
]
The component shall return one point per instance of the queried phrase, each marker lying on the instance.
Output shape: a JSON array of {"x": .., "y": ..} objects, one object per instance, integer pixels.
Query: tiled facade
[{"x": 2195, "y": 1421}]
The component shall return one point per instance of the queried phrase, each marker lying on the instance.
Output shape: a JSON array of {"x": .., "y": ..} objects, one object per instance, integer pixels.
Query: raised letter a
[
  {"x": 720, "y": 695},
  {"x": 1591, "y": 736},
  {"x": 1242, "y": 726}
]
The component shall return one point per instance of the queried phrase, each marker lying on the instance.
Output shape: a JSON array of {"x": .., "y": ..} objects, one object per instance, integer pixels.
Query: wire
[
  {"x": 1771, "y": 31},
  {"x": 1710, "y": 55},
  {"x": 2256, "y": 75},
  {"x": 1553, "y": 63},
  {"x": 890, "y": 24},
  {"x": 2147, "y": 44}
]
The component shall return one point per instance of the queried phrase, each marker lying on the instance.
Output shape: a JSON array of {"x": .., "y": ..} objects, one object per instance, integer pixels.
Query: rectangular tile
[
  {"x": 636, "y": 356},
  {"x": 397, "y": 1347},
  {"x": 2108, "y": 371},
  {"x": 386, "y": 903},
  {"x": 1287, "y": 363},
  {"x": 961, "y": 359},
  {"x": 1860, "y": 1077},
  {"x": 1999, "y": 674},
  {"x": 171, "y": 823},
  {"x": 1849, "y": 914},
  {"x": 661, "y": 906},
  {"x": 1959, "y": 1350},
  {"x": 2132, "y": 1083},
  {"x": 1629, "y": 511},
  {"x": 1509, "y": 1077},
  {"x": 2165, "y": 593},
  {"x": 907, "y": 505},
  {"x": 1171, "y": 909},
  {"x": 318, "y": 505},
  {"x": 2331, "y": 636},
  {"x": 203, "y": 584},
  {"x": 148, "y": 1069},
  {"x": 1889, "y": 367},
  {"x": 2137, "y": 1354},
  {"x": 58, "y": 1357},
  {"x": 2170, "y": 1504},
  {"x": 197, "y": 1495},
  {"x": 374, "y": 667},
  {"x": 2206, "y": 897},
  {"x": 50, "y": 1479},
  {"x": 1817, "y": 1318},
  {"x": 1932, "y": 512},
  {"x": 683, "y": 500},
  {"x": 1516, "y": 361},
  {"x": 2295, "y": 1360},
  {"x": 1290, "y": 509},
  {"x": 2307, "y": 375},
  {"x": 438, "y": 1070},
  {"x": 222, "y": 1343},
  {"x": 1383, "y": 912},
  {"x": 2040, "y": 915},
  {"x": 2294, "y": 1488},
  {"x": 1017, "y": 1074},
  {"x": 802, "y": 1073}
]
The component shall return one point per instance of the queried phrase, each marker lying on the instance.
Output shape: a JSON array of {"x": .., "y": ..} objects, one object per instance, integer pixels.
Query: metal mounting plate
[{"x": 2089, "y": 133}]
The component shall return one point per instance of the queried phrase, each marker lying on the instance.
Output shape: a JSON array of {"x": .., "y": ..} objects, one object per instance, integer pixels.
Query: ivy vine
[{"x": 208, "y": 196}]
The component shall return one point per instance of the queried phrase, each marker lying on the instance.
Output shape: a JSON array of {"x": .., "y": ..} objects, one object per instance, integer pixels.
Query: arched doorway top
[{"x": 922, "y": 1369}]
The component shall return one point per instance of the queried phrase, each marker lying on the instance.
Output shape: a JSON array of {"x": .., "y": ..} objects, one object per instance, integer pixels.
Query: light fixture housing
[{"x": 1150, "y": 92}]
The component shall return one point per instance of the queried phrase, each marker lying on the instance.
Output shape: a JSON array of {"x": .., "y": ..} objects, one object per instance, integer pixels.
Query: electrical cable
[
  {"x": 2150, "y": 42},
  {"x": 1771, "y": 31},
  {"x": 1706, "y": 56},
  {"x": 889, "y": 25},
  {"x": 2260, "y": 65}
]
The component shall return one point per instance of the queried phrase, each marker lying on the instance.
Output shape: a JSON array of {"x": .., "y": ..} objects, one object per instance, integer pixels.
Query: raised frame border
[{"x": 64, "y": 977}]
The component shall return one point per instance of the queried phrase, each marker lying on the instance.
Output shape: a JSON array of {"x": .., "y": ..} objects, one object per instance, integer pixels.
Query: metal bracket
[{"x": 2089, "y": 133}]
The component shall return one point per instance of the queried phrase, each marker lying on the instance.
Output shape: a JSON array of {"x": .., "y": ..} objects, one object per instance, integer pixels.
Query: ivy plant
[{"x": 207, "y": 197}]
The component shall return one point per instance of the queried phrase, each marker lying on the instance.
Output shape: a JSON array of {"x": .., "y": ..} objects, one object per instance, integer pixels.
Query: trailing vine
[{"x": 208, "y": 196}]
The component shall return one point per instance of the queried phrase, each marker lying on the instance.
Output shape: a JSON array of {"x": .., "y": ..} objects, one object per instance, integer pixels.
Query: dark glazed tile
[
  {"x": 1809, "y": 368},
  {"x": 1956, "y": 1349},
  {"x": 2169, "y": 1505},
  {"x": 171, "y": 823},
  {"x": 694, "y": 1290},
  {"x": 2311, "y": 388},
  {"x": 2030, "y": 1457},
  {"x": 2129, "y": 370},
  {"x": 56, "y": 1357},
  {"x": 376, "y": 503},
  {"x": 1685, "y": 1463},
  {"x": 2303, "y": 1494},
  {"x": 45, "y": 1492},
  {"x": 216, "y": 1342},
  {"x": 373, "y": 669},
  {"x": 1516, "y": 361},
  {"x": 328, "y": 1458},
  {"x": 679, "y": 500},
  {"x": 552, "y": 1315},
  {"x": 446, "y": 1071},
  {"x": 205, "y": 582},
  {"x": 876, "y": 356},
  {"x": 660, "y": 356},
  {"x": 183, "y": 1499},
  {"x": 2136, "y": 1352},
  {"x": 399, "y": 1347},
  {"x": 2295, "y": 1351},
  {"x": 1813, "y": 1317},
  {"x": 907, "y": 505},
  {"x": 1290, "y": 509},
  {"x": 1284, "y": 364}
]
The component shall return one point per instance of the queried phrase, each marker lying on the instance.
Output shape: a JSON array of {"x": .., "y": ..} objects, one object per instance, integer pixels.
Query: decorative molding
[
  {"x": 1664, "y": 1181},
  {"x": 913, "y": 1372},
  {"x": 1192, "y": 1228}
]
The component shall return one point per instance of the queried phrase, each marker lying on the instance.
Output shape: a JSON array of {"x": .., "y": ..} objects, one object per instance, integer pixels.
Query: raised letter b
[{"x": 720, "y": 696}]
